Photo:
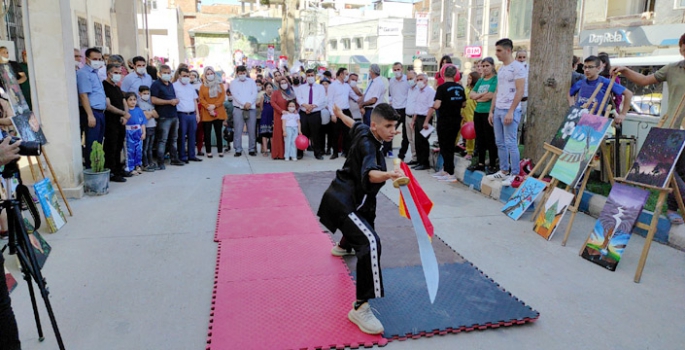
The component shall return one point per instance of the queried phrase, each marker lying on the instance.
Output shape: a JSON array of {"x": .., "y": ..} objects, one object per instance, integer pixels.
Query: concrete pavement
[{"x": 134, "y": 269}]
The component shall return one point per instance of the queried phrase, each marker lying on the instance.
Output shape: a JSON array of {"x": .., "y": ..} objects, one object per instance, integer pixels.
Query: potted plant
[{"x": 96, "y": 179}]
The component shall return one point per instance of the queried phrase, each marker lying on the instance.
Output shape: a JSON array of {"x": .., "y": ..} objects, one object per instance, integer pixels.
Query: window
[
  {"x": 494, "y": 21},
  {"x": 154, "y": 4},
  {"x": 108, "y": 37},
  {"x": 98, "y": 34},
  {"x": 461, "y": 26},
  {"x": 83, "y": 33},
  {"x": 346, "y": 44},
  {"x": 448, "y": 40},
  {"x": 333, "y": 44},
  {"x": 358, "y": 43},
  {"x": 373, "y": 42},
  {"x": 680, "y": 3},
  {"x": 520, "y": 19},
  {"x": 617, "y": 8}
]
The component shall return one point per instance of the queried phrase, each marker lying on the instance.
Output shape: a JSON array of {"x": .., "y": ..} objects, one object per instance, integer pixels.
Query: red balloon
[
  {"x": 468, "y": 132},
  {"x": 301, "y": 142}
]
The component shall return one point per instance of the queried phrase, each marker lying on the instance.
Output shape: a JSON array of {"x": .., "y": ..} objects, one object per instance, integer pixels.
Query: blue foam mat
[{"x": 466, "y": 300}]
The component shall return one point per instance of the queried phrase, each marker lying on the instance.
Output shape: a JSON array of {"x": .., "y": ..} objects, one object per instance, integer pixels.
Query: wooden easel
[{"x": 52, "y": 172}]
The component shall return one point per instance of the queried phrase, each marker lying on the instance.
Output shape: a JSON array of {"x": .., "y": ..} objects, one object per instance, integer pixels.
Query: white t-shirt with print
[
  {"x": 290, "y": 119},
  {"x": 506, "y": 83}
]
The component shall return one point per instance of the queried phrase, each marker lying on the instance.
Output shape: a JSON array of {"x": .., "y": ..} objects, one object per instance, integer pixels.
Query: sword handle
[{"x": 402, "y": 181}]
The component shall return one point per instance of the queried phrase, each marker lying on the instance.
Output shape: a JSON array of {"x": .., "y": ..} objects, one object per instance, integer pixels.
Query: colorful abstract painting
[
  {"x": 580, "y": 148},
  {"x": 613, "y": 228},
  {"x": 553, "y": 211},
  {"x": 40, "y": 247},
  {"x": 519, "y": 202},
  {"x": 567, "y": 126},
  {"x": 48, "y": 202},
  {"x": 658, "y": 155}
]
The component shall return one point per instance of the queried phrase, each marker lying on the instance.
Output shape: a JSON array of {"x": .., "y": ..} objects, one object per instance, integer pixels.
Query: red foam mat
[{"x": 277, "y": 285}]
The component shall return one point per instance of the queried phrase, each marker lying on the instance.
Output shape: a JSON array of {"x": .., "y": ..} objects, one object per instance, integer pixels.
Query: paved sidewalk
[{"x": 134, "y": 270}]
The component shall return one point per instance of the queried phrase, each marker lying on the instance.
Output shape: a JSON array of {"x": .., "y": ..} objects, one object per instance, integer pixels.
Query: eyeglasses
[{"x": 589, "y": 67}]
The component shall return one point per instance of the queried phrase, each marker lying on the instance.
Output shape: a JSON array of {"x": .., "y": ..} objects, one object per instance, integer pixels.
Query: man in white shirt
[
  {"x": 398, "y": 90},
  {"x": 505, "y": 113},
  {"x": 312, "y": 98},
  {"x": 353, "y": 80},
  {"x": 244, "y": 92},
  {"x": 423, "y": 112},
  {"x": 340, "y": 93},
  {"x": 409, "y": 111},
  {"x": 522, "y": 56},
  {"x": 188, "y": 116},
  {"x": 374, "y": 95}
]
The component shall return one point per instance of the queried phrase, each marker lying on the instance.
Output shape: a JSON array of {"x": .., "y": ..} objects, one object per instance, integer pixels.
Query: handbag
[
  {"x": 228, "y": 134},
  {"x": 325, "y": 116}
]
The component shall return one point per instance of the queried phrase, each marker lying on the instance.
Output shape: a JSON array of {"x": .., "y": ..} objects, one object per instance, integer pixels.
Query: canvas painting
[
  {"x": 28, "y": 127},
  {"x": 553, "y": 211},
  {"x": 526, "y": 194},
  {"x": 580, "y": 148},
  {"x": 613, "y": 228},
  {"x": 40, "y": 247},
  {"x": 567, "y": 126},
  {"x": 14, "y": 94},
  {"x": 10, "y": 281},
  {"x": 48, "y": 201},
  {"x": 657, "y": 157}
]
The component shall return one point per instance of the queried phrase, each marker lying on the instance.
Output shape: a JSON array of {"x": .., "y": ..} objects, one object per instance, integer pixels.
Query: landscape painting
[
  {"x": 580, "y": 148},
  {"x": 48, "y": 201},
  {"x": 567, "y": 127},
  {"x": 657, "y": 157},
  {"x": 612, "y": 230},
  {"x": 519, "y": 202},
  {"x": 550, "y": 217}
]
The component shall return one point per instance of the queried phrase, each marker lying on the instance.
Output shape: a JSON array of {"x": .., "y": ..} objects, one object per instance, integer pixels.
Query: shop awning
[
  {"x": 344, "y": 59},
  {"x": 645, "y": 60},
  {"x": 656, "y": 35}
]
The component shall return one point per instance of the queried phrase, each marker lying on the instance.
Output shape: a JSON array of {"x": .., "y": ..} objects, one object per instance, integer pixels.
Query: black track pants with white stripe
[{"x": 359, "y": 234}]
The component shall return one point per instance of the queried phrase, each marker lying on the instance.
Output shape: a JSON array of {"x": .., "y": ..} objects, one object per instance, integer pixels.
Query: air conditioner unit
[{"x": 646, "y": 16}]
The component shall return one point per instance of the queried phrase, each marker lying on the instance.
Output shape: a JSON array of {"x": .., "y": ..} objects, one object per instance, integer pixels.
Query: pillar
[{"x": 52, "y": 61}]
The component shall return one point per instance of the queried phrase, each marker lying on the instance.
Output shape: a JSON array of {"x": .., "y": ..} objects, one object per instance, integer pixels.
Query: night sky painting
[{"x": 657, "y": 157}]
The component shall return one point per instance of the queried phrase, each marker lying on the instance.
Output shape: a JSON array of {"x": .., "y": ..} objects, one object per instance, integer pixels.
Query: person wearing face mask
[
  {"x": 211, "y": 113},
  {"x": 92, "y": 101},
  {"x": 312, "y": 99},
  {"x": 340, "y": 93},
  {"x": 409, "y": 111},
  {"x": 133, "y": 82},
  {"x": 374, "y": 94},
  {"x": 398, "y": 90},
  {"x": 26, "y": 86},
  {"x": 16, "y": 68},
  {"x": 78, "y": 58},
  {"x": 353, "y": 80},
  {"x": 423, "y": 113},
  {"x": 244, "y": 91},
  {"x": 195, "y": 80},
  {"x": 188, "y": 116},
  {"x": 150, "y": 128},
  {"x": 279, "y": 102},
  {"x": 164, "y": 99},
  {"x": 116, "y": 116}
]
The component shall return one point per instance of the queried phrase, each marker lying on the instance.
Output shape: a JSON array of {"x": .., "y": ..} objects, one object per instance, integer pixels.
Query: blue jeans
[
  {"x": 290, "y": 149},
  {"x": 96, "y": 133},
  {"x": 506, "y": 141},
  {"x": 167, "y": 128},
  {"x": 187, "y": 127}
]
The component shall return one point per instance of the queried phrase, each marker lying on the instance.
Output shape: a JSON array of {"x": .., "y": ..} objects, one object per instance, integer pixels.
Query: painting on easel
[
  {"x": 550, "y": 217},
  {"x": 580, "y": 148},
  {"x": 567, "y": 127},
  {"x": 523, "y": 198},
  {"x": 655, "y": 162},
  {"x": 612, "y": 230}
]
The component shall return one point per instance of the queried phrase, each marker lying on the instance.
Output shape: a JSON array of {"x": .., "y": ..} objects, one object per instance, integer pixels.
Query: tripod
[{"x": 20, "y": 244}]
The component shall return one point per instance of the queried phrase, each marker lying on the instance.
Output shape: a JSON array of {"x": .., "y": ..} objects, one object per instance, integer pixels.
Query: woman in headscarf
[
  {"x": 212, "y": 113},
  {"x": 439, "y": 75},
  {"x": 279, "y": 102}
]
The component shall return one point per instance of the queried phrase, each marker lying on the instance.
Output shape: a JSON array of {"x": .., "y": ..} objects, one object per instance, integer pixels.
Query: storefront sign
[
  {"x": 389, "y": 28},
  {"x": 421, "y": 29},
  {"x": 473, "y": 52},
  {"x": 618, "y": 36}
]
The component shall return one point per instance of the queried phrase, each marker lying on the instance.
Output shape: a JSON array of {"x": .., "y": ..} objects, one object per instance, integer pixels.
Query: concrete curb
[{"x": 592, "y": 204}]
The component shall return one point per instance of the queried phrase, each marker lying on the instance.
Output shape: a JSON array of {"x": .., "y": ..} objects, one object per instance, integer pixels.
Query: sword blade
[{"x": 428, "y": 259}]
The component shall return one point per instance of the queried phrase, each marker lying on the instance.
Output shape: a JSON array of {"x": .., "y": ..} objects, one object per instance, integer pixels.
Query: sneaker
[
  {"x": 447, "y": 178},
  {"x": 364, "y": 318},
  {"x": 508, "y": 180},
  {"x": 287, "y": 159},
  {"x": 517, "y": 181},
  {"x": 389, "y": 154},
  {"x": 498, "y": 176},
  {"x": 337, "y": 251},
  {"x": 440, "y": 174}
]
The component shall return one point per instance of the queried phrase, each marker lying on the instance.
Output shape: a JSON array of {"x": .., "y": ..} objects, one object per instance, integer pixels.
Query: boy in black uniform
[{"x": 349, "y": 204}]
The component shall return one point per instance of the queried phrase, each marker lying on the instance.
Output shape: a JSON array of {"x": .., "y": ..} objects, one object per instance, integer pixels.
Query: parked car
[{"x": 649, "y": 104}]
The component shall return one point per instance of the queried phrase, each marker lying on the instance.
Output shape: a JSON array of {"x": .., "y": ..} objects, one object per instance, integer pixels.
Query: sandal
[{"x": 674, "y": 218}]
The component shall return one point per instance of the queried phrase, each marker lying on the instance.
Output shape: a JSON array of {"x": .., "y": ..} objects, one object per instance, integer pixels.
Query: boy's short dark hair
[
  {"x": 310, "y": 71},
  {"x": 240, "y": 69},
  {"x": 92, "y": 49},
  {"x": 164, "y": 66},
  {"x": 143, "y": 88},
  {"x": 129, "y": 94},
  {"x": 340, "y": 71},
  {"x": 505, "y": 43},
  {"x": 137, "y": 59},
  {"x": 327, "y": 74},
  {"x": 386, "y": 112},
  {"x": 594, "y": 59},
  {"x": 183, "y": 70}
]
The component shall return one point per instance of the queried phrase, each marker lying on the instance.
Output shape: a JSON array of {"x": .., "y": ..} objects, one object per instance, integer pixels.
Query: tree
[
  {"x": 288, "y": 29},
  {"x": 549, "y": 78}
]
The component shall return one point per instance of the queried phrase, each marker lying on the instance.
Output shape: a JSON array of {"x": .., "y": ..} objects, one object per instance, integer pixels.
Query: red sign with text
[{"x": 473, "y": 52}]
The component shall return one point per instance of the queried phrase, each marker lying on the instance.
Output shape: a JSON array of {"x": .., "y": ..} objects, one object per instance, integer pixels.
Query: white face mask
[
  {"x": 259, "y": 88},
  {"x": 291, "y": 109},
  {"x": 97, "y": 64},
  {"x": 210, "y": 77},
  {"x": 242, "y": 77},
  {"x": 185, "y": 80},
  {"x": 353, "y": 83},
  {"x": 398, "y": 74},
  {"x": 4, "y": 59},
  {"x": 78, "y": 65},
  {"x": 310, "y": 80},
  {"x": 347, "y": 77},
  {"x": 411, "y": 83},
  {"x": 420, "y": 84},
  {"x": 230, "y": 98},
  {"x": 284, "y": 86},
  {"x": 166, "y": 76},
  {"x": 116, "y": 78},
  {"x": 145, "y": 97},
  {"x": 141, "y": 70}
]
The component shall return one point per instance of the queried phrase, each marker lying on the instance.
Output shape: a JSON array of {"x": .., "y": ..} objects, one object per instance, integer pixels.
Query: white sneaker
[
  {"x": 365, "y": 319},
  {"x": 508, "y": 180},
  {"x": 440, "y": 173},
  {"x": 287, "y": 159},
  {"x": 337, "y": 251},
  {"x": 497, "y": 176},
  {"x": 447, "y": 178},
  {"x": 294, "y": 159}
]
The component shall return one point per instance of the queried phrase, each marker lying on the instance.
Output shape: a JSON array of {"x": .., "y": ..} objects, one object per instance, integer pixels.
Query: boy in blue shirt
[{"x": 135, "y": 134}]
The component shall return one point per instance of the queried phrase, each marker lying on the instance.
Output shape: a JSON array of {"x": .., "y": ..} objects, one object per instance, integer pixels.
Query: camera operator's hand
[{"x": 9, "y": 153}]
